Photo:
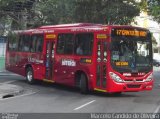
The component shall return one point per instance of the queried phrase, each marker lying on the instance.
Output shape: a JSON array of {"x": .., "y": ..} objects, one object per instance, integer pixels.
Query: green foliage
[
  {"x": 95, "y": 11},
  {"x": 46, "y": 12},
  {"x": 54, "y": 11},
  {"x": 154, "y": 9},
  {"x": 17, "y": 10},
  {"x": 143, "y": 5},
  {"x": 105, "y": 11}
]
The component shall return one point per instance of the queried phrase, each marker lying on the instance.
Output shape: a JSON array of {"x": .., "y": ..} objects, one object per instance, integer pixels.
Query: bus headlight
[
  {"x": 149, "y": 78},
  {"x": 115, "y": 77}
]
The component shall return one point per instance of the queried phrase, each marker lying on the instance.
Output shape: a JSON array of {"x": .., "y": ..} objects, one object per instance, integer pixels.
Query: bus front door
[
  {"x": 49, "y": 64},
  {"x": 101, "y": 68}
]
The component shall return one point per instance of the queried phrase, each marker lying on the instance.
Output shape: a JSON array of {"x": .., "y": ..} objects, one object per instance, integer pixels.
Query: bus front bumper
[{"x": 131, "y": 87}]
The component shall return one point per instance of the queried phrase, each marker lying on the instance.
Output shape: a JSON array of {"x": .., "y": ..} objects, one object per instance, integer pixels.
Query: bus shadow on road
[
  {"x": 64, "y": 88},
  {"x": 119, "y": 95},
  {"x": 68, "y": 89},
  {"x": 57, "y": 87}
]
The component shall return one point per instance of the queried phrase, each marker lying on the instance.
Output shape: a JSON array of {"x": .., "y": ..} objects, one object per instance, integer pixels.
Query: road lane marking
[
  {"x": 84, "y": 105},
  {"x": 157, "y": 109},
  {"x": 156, "y": 112}
]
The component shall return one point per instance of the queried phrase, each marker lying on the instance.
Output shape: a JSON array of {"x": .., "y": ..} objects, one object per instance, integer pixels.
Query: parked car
[{"x": 156, "y": 63}]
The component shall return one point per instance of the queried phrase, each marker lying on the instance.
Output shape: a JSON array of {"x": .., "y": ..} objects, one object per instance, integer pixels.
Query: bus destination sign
[{"x": 129, "y": 32}]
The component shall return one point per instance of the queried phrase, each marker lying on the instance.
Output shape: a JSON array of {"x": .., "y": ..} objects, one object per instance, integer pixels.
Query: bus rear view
[{"x": 130, "y": 60}]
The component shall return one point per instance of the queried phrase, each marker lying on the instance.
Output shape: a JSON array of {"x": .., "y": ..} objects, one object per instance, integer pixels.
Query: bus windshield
[{"x": 131, "y": 55}]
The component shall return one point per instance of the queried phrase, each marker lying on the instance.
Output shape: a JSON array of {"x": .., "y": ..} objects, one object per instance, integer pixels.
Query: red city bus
[{"x": 111, "y": 59}]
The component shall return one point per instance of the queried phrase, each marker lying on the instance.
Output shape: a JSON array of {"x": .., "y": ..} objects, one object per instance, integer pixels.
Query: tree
[
  {"x": 17, "y": 10},
  {"x": 105, "y": 11},
  {"x": 33, "y": 13},
  {"x": 95, "y": 11},
  {"x": 154, "y": 9},
  {"x": 54, "y": 11}
]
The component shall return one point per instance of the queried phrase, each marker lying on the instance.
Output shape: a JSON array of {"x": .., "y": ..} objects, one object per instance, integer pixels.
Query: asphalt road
[{"x": 53, "y": 98}]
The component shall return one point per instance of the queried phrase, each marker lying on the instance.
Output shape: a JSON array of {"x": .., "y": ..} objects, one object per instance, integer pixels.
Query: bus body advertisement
[{"x": 111, "y": 59}]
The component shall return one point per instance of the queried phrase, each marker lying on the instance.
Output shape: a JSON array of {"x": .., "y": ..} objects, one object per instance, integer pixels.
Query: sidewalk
[{"x": 4, "y": 72}]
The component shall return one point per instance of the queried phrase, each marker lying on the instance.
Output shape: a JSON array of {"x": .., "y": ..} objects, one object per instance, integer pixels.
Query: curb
[{"x": 7, "y": 73}]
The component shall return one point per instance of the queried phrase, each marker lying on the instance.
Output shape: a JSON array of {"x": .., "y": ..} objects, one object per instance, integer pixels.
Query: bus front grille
[
  {"x": 134, "y": 80},
  {"x": 133, "y": 85}
]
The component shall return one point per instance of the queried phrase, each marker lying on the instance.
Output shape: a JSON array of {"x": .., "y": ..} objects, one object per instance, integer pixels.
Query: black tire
[
  {"x": 30, "y": 75},
  {"x": 83, "y": 84}
]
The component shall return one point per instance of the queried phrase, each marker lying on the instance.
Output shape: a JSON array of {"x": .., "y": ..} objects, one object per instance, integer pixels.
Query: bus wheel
[
  {"x": 29, "y": 75},
  {"x": 83, "y": 84}
]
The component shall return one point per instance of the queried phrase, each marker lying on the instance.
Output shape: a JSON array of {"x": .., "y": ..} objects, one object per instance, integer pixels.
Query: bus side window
[
  {"x": 84, "y": 44},
  {"x": 26, "y": 44},
  {"x": 69, "y": 44},
  {"x": 60, "y": 44},
  {"x": 13, "y": 41},
  {"x": 33, "y": 44},
  {"x": 36, "y": 43},
  {"x": 65, "y": 44},
  {"x": 20, "y": 48},
  {"x": 39, "y": 43}
]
